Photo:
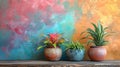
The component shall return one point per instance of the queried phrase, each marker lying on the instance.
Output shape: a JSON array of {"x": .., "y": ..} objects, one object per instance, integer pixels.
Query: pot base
[
  {"x": 75, "y": 55},
  {"x": 97, "y": 53},
  {"x": 53, "y": 54}
]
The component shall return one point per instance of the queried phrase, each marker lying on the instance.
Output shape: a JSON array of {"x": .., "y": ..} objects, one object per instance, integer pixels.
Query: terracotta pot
[
  {"x": 97, "y": 53},
  {"x": 52, "y": 53}
]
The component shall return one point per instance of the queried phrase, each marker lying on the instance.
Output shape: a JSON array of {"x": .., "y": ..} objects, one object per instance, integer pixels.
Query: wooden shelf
[{"x": 59, "y": 64}]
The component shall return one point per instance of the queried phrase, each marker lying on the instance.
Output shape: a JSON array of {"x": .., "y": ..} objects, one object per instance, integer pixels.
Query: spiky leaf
[{"x": 98, "y": 34}]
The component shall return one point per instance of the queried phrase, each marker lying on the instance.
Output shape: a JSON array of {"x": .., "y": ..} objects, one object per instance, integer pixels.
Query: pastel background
[{"x": 23, "y": 22}]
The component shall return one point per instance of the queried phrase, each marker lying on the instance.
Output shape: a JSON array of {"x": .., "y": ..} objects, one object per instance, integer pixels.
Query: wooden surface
[{"x": 59, "y": 64}]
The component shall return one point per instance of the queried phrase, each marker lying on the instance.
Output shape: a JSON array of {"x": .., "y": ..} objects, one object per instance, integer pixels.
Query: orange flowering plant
[{"x": 52, "y": 40}]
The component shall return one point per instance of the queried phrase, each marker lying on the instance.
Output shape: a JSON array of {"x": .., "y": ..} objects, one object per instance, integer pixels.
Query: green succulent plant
[
  {"x": 74, "y": 45},
  {"x": 97, "y": 35}
]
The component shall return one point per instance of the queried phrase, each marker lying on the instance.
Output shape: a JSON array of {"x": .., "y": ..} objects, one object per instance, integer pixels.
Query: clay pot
[
  {"x": 75, "y": 55},
  {"x": 52, "y": 53},
  {"x": 97, "y": 53}
]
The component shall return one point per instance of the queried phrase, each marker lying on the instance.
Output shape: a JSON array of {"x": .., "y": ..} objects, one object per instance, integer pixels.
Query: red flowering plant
[{"x": 52, "y": 40}]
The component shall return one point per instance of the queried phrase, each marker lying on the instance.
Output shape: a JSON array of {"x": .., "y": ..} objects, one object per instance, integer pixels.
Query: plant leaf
[
  {"x": 39, "y": 47},
  {"x": 54, "y": 45},
  {"x": 46, "y": 42},
  {"x": 89, "y": 41},
  {"x": 82, "y": 33},
  {"x": 99, "y": 26},
  {"x": 95, "y": 27}
]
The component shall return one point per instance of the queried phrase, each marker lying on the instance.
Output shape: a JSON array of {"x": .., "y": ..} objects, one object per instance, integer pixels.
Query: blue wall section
[{"x": 22, "y": 24}]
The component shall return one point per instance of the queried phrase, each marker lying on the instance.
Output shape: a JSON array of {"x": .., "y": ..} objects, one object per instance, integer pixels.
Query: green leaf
[
  {"x": 46, "y": 42},
  {"x": 106, "y": 28},
  {"x": 98, "y": 34},
  {"x": 92, "y": 33},
  {"x": 106, "y": 35},
  {"x": 39, "y": 47},
  {"x": 105, "y": 42},
  {"x": 96, "y": 43},
  {"x": 95, "y": 27},
  {"x": 74, "y": 45},
  {"x": 87, "y": 36},
  {"x": 54, "y": 45},
  {"x": 89, "y": 41},
  {"x": 99, "y": 26},
  {"x": 82, "y": 33}
]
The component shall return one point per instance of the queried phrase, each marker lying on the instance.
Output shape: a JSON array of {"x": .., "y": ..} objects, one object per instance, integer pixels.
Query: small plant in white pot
[
  {"x": 75, "y": 51},
  {"x": 52, "y": 49},
  {"x": 96, "y": 37}
]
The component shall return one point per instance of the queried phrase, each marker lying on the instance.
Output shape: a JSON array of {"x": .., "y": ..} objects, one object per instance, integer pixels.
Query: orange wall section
[{"x": 108, "y": 12}]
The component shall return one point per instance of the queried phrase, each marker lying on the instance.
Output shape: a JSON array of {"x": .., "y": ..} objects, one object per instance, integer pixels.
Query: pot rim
[
  {"x": 95, "y": 46},
  {"x": 52, "y": 47},
  {"x": 75, "y": 49}
]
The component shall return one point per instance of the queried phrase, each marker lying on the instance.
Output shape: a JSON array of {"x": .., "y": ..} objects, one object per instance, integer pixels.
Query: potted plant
[
  {"x": 96, "y": 37},
  {"x": 75, "y": 51},
  {"x": 52, "y": 50}
]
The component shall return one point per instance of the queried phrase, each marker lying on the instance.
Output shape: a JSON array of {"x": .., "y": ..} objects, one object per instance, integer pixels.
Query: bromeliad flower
[
  {"x": 52, "y": 40},
  {"x": 54, "y": 37}
]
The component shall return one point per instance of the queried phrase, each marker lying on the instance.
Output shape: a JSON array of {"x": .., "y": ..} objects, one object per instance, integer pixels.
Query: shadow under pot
[
  {"x": 53, "y": 54},
  {"x": 75, "y": 54},
  {"x": 97, "y": 53}
]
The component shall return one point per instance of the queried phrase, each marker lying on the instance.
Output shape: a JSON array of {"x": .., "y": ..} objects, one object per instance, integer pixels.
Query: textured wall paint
[
  {"x": 23, "y": 22},
  {"x": 108, "y": 12}
]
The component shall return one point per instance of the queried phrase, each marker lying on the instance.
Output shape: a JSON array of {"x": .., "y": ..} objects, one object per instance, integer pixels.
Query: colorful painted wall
[{"x": 23, "y": 22}]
